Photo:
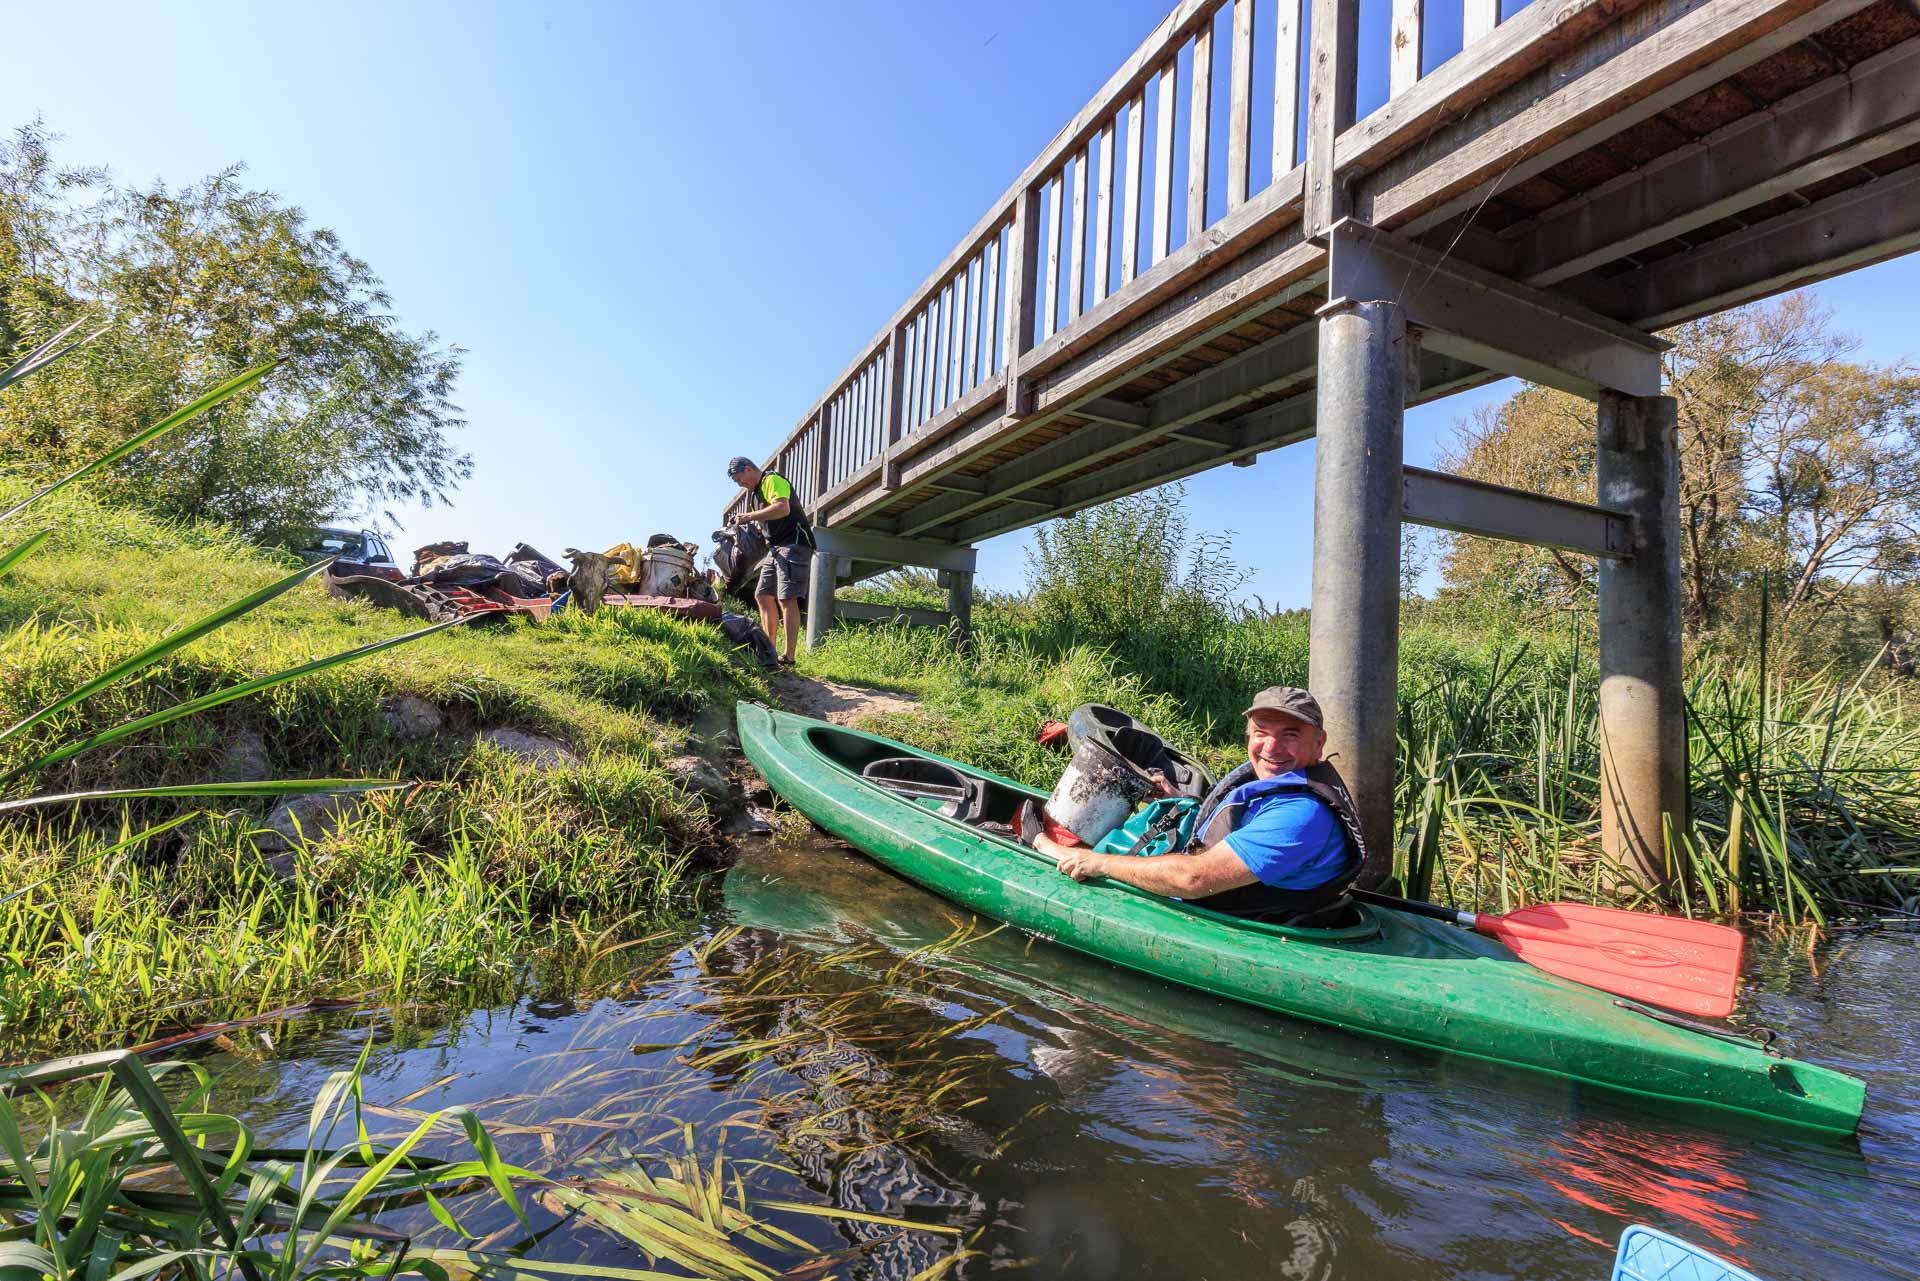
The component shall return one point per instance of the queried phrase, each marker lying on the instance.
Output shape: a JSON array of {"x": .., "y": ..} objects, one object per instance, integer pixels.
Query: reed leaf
[
  {"x": 217, "y": 698},
  {"x": 166, "y": 645},
  {"x": 264, "y": 787},
  {"x": 44, "y": 354},
  {"x": 14, "y": 555}
]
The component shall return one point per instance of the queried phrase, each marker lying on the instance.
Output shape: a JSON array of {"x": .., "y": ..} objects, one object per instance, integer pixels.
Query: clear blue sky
[{"x": 658, "y": 230}]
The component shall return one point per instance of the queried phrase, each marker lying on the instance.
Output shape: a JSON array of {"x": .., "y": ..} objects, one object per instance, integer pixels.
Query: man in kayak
[
  {"x": 1277, "y": 840},
  {"x": 783, "y": 575}
]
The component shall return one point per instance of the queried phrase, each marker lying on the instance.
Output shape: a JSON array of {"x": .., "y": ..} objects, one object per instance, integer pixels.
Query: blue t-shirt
[{"x": 1291, "y": 842}]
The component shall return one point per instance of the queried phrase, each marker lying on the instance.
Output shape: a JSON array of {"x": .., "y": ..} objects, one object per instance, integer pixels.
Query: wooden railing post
[
  {"x": 823, "y": 449},
  {"x": 1023, "y": 283},
  {"x": 891, "y": 406},
  {"x": 1330, "y": 106}
]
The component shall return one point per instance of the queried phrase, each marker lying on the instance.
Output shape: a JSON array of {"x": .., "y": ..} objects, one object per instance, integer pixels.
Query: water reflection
[
  {"x": 1199, "y": 1137},
  {"x": 837, "y": 1037}
]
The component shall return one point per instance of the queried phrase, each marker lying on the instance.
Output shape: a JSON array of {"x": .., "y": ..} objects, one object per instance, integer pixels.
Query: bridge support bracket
[{"x": 1477, "y": 316}]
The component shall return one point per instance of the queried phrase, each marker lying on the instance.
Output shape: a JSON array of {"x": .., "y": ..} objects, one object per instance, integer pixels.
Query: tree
[
  {"x": 1794, "y": 463},
  {"x": 1837, "y": 496},
  {"x": 1542, "y": 441},
  {"x": 201, "y": 283}
]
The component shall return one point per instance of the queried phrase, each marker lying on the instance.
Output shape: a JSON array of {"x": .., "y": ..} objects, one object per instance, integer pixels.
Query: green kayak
[{"x": 1392, "y": 975}]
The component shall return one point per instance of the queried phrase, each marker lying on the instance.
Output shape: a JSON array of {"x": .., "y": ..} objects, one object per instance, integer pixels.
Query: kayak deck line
[{"x": 1394, "y": 976}]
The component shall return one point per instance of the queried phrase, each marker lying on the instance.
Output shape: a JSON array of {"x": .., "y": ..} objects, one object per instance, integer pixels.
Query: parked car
[{"x": 359, "y": 551}]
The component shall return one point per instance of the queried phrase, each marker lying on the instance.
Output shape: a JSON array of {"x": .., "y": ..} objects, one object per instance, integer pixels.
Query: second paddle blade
[{"x": 1669, "y": 961}]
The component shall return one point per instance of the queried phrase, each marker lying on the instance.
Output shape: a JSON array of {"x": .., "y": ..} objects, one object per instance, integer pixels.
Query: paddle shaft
[{"x": 1419, "y": 908}]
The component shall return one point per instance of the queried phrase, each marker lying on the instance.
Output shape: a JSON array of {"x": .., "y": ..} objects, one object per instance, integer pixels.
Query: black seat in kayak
[{"x": 942, "y": 787}]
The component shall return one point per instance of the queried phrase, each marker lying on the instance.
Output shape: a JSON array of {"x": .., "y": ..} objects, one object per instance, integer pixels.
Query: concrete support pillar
[
  {"x": 960, "y": 605},
  {"x": 1355, "y": 634},
  {"x": 822, "y": 576},
  {"x": 1643, "y": 716}
]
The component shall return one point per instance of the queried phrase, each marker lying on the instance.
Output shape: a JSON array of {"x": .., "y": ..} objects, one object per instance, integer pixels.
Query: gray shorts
[{"x": 783, "y": 575}]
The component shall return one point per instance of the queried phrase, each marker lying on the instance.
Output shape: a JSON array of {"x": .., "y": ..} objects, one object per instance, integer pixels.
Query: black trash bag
[
  {"x": 476, "y": 571},
  {"x": 529, "y": 561},
  {"x": 1133, "y": 742},
  {"x": 737, "y": 552},
  {"x": 742, "y": 630}
]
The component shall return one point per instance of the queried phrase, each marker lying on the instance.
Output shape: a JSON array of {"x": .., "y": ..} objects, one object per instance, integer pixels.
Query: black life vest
[
  {"x": 1264, "y": 902},
  {"x": 791, "y": 528}
]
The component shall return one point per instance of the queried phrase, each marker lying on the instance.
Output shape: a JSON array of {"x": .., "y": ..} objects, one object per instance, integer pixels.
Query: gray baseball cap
[
  {"x": 739, "y": 464},
  {"x": 1288, "y": 701}
]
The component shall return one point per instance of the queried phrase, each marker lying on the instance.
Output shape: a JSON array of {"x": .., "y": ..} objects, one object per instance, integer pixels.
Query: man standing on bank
[
  {"x": 1278, "y": 840},
  {"x": 783, "y": 576}
]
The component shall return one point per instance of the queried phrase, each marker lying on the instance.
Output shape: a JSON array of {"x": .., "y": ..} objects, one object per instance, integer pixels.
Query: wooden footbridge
[{"x": 1220, "y": 254}]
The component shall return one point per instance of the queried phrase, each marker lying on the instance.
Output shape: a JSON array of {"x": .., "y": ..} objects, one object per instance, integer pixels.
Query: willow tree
[{"x": 200, "y": 283}]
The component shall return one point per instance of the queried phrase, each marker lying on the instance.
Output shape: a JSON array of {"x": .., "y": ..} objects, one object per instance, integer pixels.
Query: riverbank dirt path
[{"x": 832, "y": 701}]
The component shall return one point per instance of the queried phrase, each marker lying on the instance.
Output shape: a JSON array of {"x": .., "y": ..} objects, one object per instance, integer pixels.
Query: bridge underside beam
[
  {"x": 1858, "y": 227},
  {"x": 860, "y": 545},
  {"x": 1550, "y": 118},
  {"x": 1248, "y": 288},
  {"x": 1845, "y": 121},
  {"x": 1474, "y": 315},
  {"x": 1230, "y": 439}
]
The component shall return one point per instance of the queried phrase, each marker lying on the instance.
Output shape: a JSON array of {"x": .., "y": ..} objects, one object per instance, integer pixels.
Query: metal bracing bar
[
  {"x": 1847, "y": 120},
  {"x": 1494, "y": 511},
  {"x": 859, "y": 545},
  {"x": 1105, "y": 409},
  {"x": 1855, "y": 228},
  {"x": 1478, "y": 316}
]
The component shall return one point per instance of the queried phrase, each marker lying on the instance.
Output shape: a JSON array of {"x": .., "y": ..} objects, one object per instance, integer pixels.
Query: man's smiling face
[{"x": 1277, "y": 743}]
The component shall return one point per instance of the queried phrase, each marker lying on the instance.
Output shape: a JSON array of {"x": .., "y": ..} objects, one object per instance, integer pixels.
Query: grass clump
[{"x": 442, "y": 883}]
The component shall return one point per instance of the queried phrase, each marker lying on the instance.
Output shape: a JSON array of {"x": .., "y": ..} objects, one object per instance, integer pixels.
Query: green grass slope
[{"x": 442, "y": 885}]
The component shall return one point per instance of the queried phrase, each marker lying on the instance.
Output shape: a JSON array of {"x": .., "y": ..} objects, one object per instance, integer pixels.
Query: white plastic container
[{"x": 666, "y": 570}]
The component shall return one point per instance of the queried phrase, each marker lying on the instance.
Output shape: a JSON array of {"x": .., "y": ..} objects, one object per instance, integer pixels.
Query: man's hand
[
  {"x": 1161, "y": 787},
  {"x": 1079, "y": 862}
]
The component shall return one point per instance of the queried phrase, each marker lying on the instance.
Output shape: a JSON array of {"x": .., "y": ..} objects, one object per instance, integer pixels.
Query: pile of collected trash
[{"x": 449, "y": 580}]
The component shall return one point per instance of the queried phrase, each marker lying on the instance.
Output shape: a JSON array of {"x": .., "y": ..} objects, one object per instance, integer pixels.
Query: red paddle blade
[{"x": 1690, "y": 966}]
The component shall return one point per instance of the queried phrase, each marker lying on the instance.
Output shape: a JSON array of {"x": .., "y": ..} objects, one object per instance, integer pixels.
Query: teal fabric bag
[{"x": 1163, "y": 827}]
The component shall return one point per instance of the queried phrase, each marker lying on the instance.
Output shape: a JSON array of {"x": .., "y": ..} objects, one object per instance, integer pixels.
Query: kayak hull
[{"x": 1392, "y": 975}]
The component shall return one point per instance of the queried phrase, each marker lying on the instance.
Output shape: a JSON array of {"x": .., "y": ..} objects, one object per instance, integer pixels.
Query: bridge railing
[{"x": 1121, "y": 209}]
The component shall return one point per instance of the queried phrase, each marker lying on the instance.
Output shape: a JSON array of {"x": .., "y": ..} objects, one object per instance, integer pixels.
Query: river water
[{"x": 845, "y": 1039}]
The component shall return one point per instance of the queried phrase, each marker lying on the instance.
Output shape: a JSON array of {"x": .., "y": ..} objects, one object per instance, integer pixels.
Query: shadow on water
[{"x": 967, "y": 1099}]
